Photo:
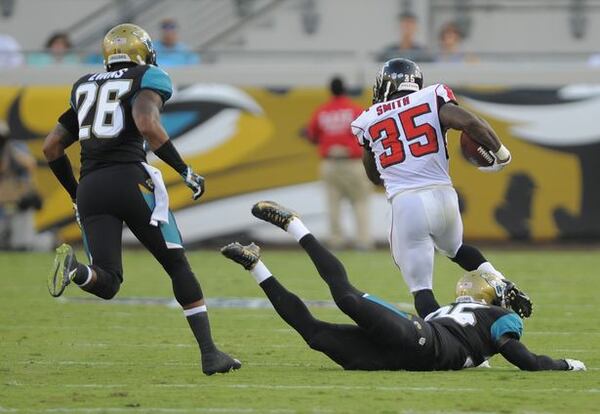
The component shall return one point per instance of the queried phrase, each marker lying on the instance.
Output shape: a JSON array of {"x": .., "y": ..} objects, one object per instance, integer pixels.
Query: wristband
[
  {"x": 502, "y": 154},
  {"x": 61, "y": 167}
]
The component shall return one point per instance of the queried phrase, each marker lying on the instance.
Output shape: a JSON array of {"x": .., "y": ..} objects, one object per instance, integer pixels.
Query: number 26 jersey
[
  {"x": 407, "y": 139},
  {"x": 100, "y": 114}
]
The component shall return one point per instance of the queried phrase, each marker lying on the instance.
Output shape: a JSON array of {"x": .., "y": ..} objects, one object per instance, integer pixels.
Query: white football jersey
[{"x": 407, "y": 140}]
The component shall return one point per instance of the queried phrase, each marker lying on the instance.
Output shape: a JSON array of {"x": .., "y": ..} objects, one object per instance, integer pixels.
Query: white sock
[
  {"x": 193, "y": 311},
  {"x": 297, "y": 229},
  {"x": 260, "y": 272},
  {"x": 89, "y": 277},
  {"x": 488, "y": 268}
]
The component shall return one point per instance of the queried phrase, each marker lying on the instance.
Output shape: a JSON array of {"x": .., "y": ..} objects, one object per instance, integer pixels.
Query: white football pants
[{"x": 422, "y": 220}]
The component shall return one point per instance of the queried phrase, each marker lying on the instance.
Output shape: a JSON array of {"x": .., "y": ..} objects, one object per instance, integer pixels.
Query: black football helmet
[{"x": 397, "y": 75}]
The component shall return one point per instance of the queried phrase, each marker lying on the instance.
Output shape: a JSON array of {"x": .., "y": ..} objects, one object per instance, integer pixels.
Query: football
[{"x": 474, "y": 152}]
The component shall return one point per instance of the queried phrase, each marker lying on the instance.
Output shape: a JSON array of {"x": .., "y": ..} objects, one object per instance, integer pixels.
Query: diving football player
[{"x": 461, "y": 335}]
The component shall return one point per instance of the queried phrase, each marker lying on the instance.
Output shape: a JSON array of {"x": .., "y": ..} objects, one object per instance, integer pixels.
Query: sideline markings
[{"x": 215, "y": 302}]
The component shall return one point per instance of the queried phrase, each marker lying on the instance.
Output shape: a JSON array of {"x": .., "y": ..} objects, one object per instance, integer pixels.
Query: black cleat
[
  {"x": 219, "y": 362},
  {"x": 63, "y": 270},
  {"x": 247, "y": 256},
  {"x": 518, "y": 300},
  {"x": 273, "y": 213}
]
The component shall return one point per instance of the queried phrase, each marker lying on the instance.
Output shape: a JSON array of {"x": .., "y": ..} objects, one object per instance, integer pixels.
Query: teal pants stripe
[
  {"x": 86, "y": 248},
  {"x": 169, "y": 230},
  {"x": 386, "y": 305}
]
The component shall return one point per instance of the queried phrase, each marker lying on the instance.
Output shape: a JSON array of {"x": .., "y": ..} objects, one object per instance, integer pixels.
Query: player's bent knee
[
  {"x": 113, "y": 286},
  {"x": 109, "y": 290},
  {"x": 108, "y": 282},
  {"x": 348, "y": 302},
  {"x": 316, "y": 341}
]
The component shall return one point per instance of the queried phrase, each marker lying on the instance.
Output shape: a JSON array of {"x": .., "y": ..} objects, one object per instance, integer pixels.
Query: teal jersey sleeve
[
  {"x": 507, "y": 324},
  {"x": 157, "y": 80}
]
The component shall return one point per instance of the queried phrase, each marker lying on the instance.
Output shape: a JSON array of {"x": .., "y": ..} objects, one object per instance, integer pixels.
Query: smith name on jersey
[
  {"x": 407, "y": 139},
  {"x": 468, "y": 333},
  {"x": 100, "y": 114}
]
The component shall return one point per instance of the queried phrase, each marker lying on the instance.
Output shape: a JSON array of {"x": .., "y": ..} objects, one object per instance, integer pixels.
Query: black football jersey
[
  {"x": 100, "y": 114},
  {"x": 468, "y": 332}
]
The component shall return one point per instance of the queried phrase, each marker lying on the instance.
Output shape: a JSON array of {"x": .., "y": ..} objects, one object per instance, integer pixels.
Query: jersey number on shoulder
[
  {"x": 107, "y": 120},
  {"x": 387, "y": 130},
  {"x": 461, "y": 313}
]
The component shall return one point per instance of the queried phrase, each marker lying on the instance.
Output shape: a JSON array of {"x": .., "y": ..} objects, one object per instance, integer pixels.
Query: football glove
[
  {"x": 77, "y": 218},
  {"x": 501, "y": 159},
  {"x": 517, "y": 300},
  {"x": 194, "y": 181},
  {"x": 575, "y": 365}
]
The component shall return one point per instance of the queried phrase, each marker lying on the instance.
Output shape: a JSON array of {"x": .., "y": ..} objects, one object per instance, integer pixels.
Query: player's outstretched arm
[
  {"x": 517, "y": 354},
  {"x": 454, "y": 117},
  {"x": 146, "y": 115},
  {"x": 54, "y": 150},
  {"x": 368, "y": 160}
]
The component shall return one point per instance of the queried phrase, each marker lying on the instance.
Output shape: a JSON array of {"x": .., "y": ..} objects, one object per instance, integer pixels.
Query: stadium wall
[{"x": 247, "y": 141}]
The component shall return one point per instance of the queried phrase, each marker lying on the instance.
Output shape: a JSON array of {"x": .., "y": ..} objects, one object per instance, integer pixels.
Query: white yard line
[{"x": 168, "y": 364}]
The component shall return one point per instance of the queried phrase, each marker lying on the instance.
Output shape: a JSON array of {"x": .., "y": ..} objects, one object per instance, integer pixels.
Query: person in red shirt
[{"x": 341, "y": 167}]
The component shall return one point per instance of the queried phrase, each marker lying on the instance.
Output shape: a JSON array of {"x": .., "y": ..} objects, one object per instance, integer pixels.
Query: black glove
[
  {"x": 518, "y": 300},
  {"x": 194, "y": 181}
]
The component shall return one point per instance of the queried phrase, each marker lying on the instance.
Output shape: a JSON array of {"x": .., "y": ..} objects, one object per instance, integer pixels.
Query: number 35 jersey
[
  {"x": 100, "y": 114},
  {"x": 407, "y": 139},
  {"x": 468, "y": 333}
]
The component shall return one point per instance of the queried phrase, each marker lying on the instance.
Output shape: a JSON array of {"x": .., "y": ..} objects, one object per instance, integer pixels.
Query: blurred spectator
[
  {"x": 18, "y": 196},
  {"x": 407, "y": 47},
  {"x": 10, "y": 52},
  {"x": 169, "y": 50},
  {"x": 57, "y": 51},
  {"x": 451, "y": 39},
  {"x": 341, "y": 168}
]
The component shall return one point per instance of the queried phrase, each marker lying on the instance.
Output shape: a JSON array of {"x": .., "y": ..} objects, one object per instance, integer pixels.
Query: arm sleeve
[
  {"x": 517, "y": 354},
  {"x": 444, "y": 95},
  {"x": 168, "y": 153},
  {"x": 69, "y": 121},
  {"x": 158, "y": 81},
  {"x": 509, "y": 324},
  {"x": 358, "y": 130},
  {"x": 61, "y": 168}
]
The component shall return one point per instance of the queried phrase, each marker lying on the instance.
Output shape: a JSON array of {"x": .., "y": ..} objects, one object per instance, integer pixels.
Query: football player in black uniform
[
  {"x": 110, "y": 114},
  {"x": 461, "y": 335}
]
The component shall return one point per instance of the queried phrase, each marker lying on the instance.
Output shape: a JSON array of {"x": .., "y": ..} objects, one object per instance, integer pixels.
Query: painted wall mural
[{"x": 248, "y": 144}]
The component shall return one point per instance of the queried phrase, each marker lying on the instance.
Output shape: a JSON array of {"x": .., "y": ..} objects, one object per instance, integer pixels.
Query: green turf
[{"x": 95, "y": 357}]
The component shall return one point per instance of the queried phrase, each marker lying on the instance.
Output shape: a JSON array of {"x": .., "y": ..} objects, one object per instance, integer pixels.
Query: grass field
[{"x": 94, "y": 357}]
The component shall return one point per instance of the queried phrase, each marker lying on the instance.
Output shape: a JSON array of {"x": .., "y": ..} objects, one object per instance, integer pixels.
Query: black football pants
[
  {"x": 383, "y": 338},
  {"x": 111, "y": 196}
]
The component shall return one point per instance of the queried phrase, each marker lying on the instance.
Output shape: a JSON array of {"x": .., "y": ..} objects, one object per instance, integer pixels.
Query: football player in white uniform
[{"x": 404, "y": 139}]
